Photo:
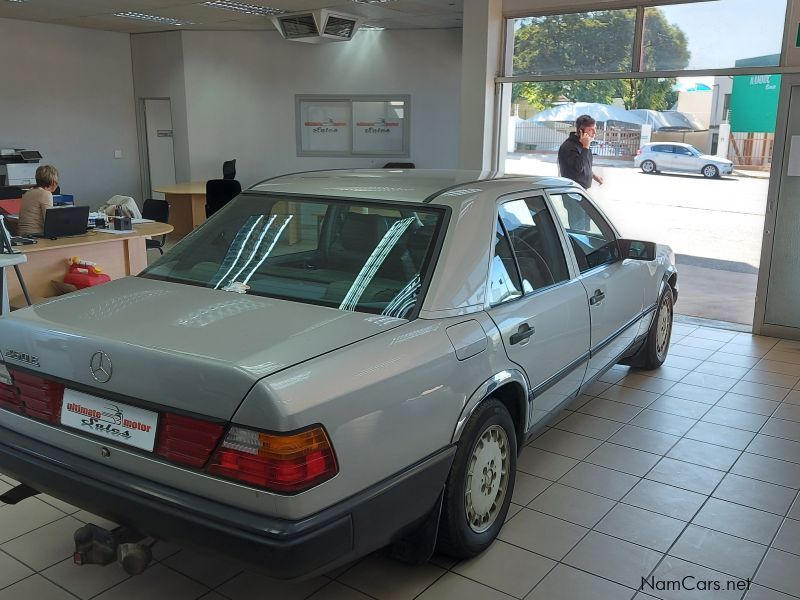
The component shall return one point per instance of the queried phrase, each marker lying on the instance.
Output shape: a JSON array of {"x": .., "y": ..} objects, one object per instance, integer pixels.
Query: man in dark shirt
[{"x": 574, "y": 155}]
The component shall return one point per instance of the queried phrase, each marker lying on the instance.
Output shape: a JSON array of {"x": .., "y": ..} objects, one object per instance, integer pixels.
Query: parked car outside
[
  {"x": 333, "y": 363},
  {"x": 673, "y": 156}
]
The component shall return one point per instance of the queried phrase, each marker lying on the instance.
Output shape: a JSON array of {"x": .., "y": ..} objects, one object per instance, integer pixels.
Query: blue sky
[{"x": 722, "y": 31}]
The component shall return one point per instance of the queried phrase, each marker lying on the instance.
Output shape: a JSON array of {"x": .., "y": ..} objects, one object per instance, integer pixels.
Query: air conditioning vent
[
  {"x": 298, "y": 26},
  {"x": 339, "y": 27},
  {"x": 317, "y": 26}
]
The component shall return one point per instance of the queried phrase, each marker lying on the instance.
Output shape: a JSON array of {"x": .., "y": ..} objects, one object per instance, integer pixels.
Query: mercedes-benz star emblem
[{"x": 100, "y": 367}]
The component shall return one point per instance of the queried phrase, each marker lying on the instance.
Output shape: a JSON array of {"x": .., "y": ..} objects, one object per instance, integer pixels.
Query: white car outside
[{"x": 674, "y": 156}]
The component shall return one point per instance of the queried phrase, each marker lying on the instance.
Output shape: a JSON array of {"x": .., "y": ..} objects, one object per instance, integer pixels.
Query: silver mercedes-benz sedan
[{"x": 333, "y": 363}]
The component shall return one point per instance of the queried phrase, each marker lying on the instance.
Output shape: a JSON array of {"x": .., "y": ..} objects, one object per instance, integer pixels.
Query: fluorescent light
[
  {"x": 243, "y": 7},
  {"x": 373, "y": 1},
  {"x": 152, "y": 18},
  {"x": 371, "y": 28}
]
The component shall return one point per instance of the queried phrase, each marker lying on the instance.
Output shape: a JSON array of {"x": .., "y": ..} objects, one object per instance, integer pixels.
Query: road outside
[{"x": 713, "y": 225}]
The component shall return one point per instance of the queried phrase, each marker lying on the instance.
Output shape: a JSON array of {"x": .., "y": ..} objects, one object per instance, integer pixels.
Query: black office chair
[
  {"x": 10, "y": 192},
  {"x": 157, "y": 210},
  {"x": 399, "y": 165},
  {"x": 229, "y": 169},
  {"x": 219, "y": 192}
]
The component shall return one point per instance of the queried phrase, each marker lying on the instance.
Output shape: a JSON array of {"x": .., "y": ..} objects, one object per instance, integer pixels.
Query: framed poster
[
  {"x": 364, "y": 125},
  {"x": 325, "y": 127},
  {"x": 379, "y": 127}
]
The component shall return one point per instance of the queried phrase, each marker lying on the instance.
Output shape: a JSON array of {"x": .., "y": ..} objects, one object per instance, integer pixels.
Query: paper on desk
[{"x": 135, "y": 221}]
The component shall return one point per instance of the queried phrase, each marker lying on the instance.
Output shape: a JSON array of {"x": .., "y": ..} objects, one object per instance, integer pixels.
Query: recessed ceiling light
[
  {"x": 243, "y": 7},
  {"x": 16, "y": 1},
  {"x": 152, "y": 18}
]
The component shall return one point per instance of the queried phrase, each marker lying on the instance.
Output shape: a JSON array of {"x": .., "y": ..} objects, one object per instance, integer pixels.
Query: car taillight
[
  {"x": 283, "y": 463},
  {"x": 32, "y": 396},
  {"x": 186, "y": 440}
]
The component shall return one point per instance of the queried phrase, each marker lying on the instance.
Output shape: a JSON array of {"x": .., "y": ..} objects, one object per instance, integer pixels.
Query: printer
[{"x": 18, "y": 167}]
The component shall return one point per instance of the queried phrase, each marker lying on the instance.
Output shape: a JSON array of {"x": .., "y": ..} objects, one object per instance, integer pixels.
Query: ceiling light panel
[
  {"x": 244, "y": 8},
  {"x": 152, "y": 18}
]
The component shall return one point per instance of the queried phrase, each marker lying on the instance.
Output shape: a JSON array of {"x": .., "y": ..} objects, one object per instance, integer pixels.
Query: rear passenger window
[
  {"x": 662, "y": 148},
  {"x": 535, "y": 241},
  {"x": 504, "y": 281}
]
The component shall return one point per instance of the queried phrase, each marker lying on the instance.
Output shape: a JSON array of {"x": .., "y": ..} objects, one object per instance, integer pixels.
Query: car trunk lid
[{"x": 182, "y": 347}]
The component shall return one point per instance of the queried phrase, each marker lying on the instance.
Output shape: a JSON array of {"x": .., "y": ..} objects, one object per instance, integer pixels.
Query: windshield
[{"x": 357, "y": 256}]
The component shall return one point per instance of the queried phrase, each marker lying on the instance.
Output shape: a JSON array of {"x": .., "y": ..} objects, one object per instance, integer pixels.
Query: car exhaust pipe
[{"x": 98, "y": 546}]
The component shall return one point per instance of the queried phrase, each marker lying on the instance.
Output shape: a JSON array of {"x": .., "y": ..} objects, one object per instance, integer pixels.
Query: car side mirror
[{"x": 637, "y": 249}]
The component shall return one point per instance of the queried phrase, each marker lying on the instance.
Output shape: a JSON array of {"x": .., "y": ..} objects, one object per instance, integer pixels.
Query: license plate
[{"x": 110, "y": 419}]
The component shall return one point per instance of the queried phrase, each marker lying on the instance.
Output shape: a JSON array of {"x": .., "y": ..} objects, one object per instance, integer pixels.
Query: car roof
[
  {"x": 404, "y": 185},
  {"x": 669, "y": 143}
]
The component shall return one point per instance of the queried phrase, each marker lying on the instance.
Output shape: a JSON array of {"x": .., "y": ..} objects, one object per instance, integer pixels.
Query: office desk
[
  {"x": 187, "y": 205},
  {"x": 118, "y": 255}
]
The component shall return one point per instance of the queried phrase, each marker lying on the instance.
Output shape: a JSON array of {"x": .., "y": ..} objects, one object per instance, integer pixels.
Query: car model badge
[{"x": 100, "y": 367}]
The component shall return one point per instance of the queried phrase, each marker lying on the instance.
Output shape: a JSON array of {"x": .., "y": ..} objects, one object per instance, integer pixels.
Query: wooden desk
[
  {"x": 118, "y": 255},
  {"x": 187, "y": 205}
]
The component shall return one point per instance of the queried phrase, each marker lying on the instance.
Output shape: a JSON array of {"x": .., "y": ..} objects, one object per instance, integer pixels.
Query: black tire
[
  {"x": 648, "y": 166},
  {"x": 488, "y": 434},
  {"x": 710, "y": 171},
  {"x": 656, "y": 346}
]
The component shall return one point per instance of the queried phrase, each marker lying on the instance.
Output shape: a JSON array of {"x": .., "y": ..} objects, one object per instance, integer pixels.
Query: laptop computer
[{"x": 64, "y": 221}]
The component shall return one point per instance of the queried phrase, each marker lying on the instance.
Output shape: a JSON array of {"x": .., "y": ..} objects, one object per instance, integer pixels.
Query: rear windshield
[{"x": 357, "y": 256}]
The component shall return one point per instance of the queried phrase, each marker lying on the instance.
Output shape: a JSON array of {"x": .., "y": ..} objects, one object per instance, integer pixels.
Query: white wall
[
  {"x": 68, "y": 93},
  {"x": 158, "y": 73},
  {"x": 241, "y": 86}
]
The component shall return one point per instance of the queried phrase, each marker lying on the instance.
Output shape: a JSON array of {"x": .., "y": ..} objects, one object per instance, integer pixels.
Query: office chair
[
  {"x": 157, "y": 210},
  {"x": 398, "y": 165},
  {"x": 219, "y": 192},
  {"x": 229, "y": 169},
  {"x": 10, "y": 192}
]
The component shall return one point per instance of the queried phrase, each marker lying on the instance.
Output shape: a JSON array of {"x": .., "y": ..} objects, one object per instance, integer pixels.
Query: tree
[{"x": 597, "y": 42}]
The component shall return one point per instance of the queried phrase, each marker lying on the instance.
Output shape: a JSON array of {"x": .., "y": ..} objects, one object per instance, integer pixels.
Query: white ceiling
[{"x": 99, "y": 14}]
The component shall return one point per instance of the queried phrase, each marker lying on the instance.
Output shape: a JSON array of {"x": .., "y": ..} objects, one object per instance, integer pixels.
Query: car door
[
  {"x": 663, "y": 156},
  {"x": 538, "y": 304},
  {"x": 684, "y": 159},
  {"x": 615, "y": 287}
]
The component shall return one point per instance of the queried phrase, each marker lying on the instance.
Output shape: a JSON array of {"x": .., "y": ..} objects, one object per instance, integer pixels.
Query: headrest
[{"x": 361, "y": 233}]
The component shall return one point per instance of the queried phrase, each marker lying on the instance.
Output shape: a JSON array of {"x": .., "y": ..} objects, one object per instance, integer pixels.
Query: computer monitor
[{"x": 67, "y": 220}]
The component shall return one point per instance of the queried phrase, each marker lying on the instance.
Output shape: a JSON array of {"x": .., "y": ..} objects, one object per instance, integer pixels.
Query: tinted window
[
  {"x": 662, "y": 148},
  {"x": 535, "y": 241},
  {"x": 683, "y": 151},
  {"x": 356, "y": 256},
  {"x": 504, "y": 281},
  {"x": 590, "y": 235}
]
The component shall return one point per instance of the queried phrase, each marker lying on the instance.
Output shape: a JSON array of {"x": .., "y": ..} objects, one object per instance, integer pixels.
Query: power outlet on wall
[{"x": 117, "y": 153}]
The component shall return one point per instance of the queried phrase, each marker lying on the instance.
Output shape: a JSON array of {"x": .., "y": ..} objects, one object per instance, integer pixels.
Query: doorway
[{"x": 156, "y": 136}]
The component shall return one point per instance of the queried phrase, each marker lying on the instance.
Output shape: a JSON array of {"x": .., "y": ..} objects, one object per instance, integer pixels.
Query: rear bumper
[{"x": 280, "y": 548}]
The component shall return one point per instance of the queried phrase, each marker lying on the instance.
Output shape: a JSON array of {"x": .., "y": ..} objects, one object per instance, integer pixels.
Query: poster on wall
[
  {"x": 379, "y": 127},
  {"x": 325, "y": 126}
]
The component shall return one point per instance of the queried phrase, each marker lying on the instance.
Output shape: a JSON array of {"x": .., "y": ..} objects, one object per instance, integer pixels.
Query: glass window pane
[
  {"x": 504, "y": 280},
  {"x": 592, "y": 238},
  {"x": 536, "y": 243},
  {"x": 349, "y": 255},
  {"x": 710, "y": 35},
  {"x": 589, "y": 42}
]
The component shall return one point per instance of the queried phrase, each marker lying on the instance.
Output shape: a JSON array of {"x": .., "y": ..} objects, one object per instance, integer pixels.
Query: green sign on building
[{"x": 754, "y": 103}]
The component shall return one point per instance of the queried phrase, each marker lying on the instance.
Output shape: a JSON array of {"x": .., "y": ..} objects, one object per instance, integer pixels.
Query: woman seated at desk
[{"x": 37, "y": 200}]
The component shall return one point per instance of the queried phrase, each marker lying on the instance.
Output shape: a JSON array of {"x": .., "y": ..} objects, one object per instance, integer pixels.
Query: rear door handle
[
  {"x": 523, "y": 333},
  {"x": 597, "y": 298}
]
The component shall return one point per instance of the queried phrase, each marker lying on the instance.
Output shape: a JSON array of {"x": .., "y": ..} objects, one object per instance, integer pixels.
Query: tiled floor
[{"x": 690, "y": 470}]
